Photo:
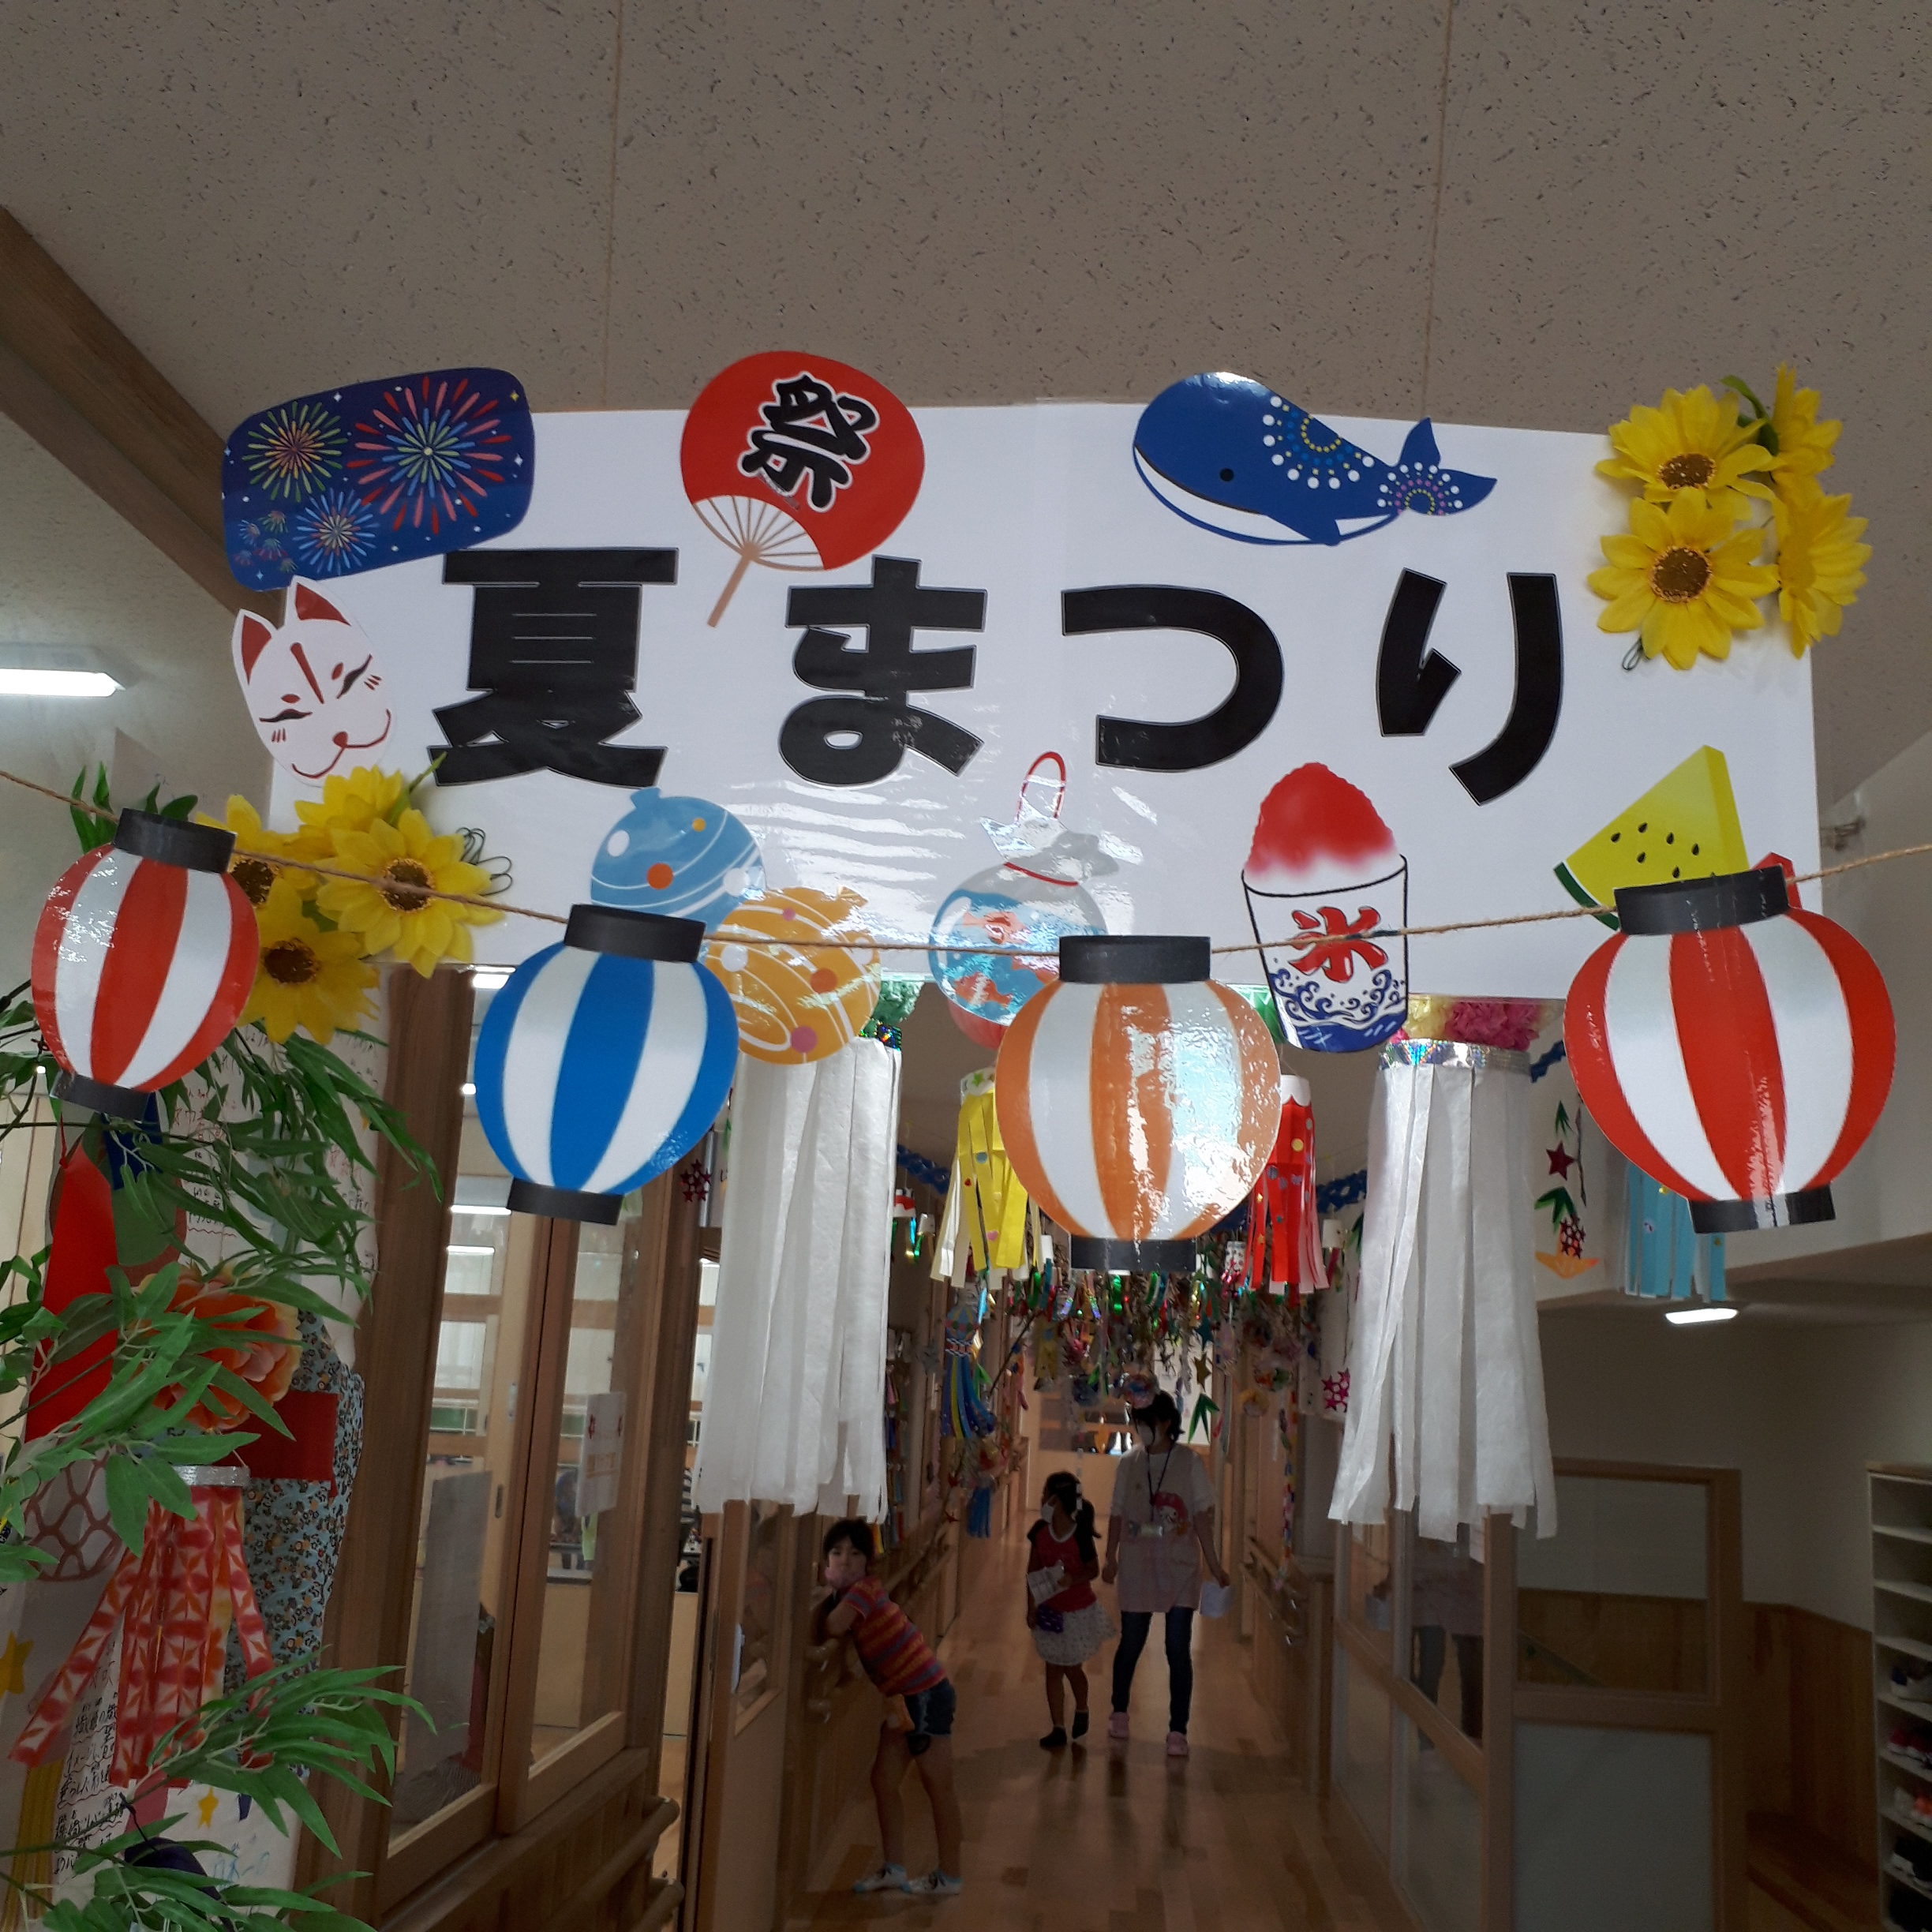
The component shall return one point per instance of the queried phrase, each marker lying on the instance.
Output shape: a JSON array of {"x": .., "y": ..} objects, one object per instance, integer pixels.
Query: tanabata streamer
[
  {"x": 174, "y": 1603},
  {"x": 799, "y": 463},
  {"x": 376, "y": 473},
  {"x": 1738, "y": 1050},
  {"x": 1444, "y": 1368},
  {"x": 992, "y": 1204},
  {"x": 1284, "y": 1229}
]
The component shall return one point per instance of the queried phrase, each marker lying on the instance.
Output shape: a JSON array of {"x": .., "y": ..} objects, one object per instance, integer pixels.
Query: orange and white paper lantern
[{"x": 1138, "y": 1100}]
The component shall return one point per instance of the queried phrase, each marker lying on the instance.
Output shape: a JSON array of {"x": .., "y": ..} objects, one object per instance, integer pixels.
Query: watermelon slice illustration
[{"x": 1684, "y": 827}]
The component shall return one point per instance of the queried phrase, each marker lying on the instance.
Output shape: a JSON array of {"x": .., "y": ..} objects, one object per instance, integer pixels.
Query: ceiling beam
[{"x": 89, "y": 397}]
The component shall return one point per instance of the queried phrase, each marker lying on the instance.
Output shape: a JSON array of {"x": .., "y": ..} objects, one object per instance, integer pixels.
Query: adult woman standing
[{"x": 1159, "y": 1532}]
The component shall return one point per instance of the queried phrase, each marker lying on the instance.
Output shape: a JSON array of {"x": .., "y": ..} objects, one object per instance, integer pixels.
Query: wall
[{"x": 1799, "y": 1407}]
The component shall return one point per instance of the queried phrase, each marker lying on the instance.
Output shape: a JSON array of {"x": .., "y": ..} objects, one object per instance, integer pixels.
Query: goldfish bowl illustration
[
  {"x": 684, "y": 858},
  {"x": 1003, "y": 907},
  {"x": 1337, "y": 988}
]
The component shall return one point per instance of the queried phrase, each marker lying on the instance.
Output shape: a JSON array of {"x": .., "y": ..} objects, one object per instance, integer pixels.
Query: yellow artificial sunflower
[
  {"x": 255, "y": 847},
  {"x": 391, "y": 909},
  {"x": 1804, "y": 444},
  {"x": 317, "y": 980},
  {"x": 348, "y": 804},
  {"x": 1820, "y": 559},
  {"x": 1691, "y": 441},
  {"x": 1684, "y": 577}
]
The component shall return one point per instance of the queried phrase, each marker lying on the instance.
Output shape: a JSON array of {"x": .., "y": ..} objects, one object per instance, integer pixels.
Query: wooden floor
[{"x": 1108, "y": 1838}]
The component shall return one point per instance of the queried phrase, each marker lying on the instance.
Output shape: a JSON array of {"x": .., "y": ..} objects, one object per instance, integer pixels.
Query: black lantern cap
[
  {"x": 634, "y": 935},
  {"x": 1735, "y": 1217},
  {"x": 532, "y": 1197},
  {"x": 1129, "y": 1257},
  {"x": 174, "y": 841},
  {"x": 1704, "y": 904},
  {"x": 1134, "y": 959},
  {"x": 123, "y": 1102}
]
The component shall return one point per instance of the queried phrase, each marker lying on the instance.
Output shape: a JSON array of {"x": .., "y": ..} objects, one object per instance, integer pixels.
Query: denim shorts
[{"x": 931, "y": 1712}]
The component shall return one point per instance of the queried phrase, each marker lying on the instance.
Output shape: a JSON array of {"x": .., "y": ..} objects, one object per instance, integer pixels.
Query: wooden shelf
[
  {"x": 1896, "y": 1587},
  {"x": 1905, "y": 1646},
  {"x": 1922, "y": 1773},
  {"x": 1901, "y": 1472},
  {"x": 1922, "y": 1712},
  {"x": 1899, "y": 1877},
  {"x": 1902, "y": 1532},
  {"x": 1919, "y": 1828}
]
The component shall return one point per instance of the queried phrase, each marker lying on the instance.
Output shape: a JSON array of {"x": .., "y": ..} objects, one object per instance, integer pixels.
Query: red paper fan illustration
[{"x": 798, "y": 463}]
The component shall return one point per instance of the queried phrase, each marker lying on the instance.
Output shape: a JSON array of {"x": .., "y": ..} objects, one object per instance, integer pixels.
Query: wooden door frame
[{"x": 1718, "y": 1713}]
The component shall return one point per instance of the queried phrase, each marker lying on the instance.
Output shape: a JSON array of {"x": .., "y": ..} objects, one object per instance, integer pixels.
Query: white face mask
[{"x": 1147, "y": 1435}]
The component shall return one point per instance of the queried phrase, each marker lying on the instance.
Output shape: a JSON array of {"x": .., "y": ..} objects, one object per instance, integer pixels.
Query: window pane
[
  {"x": 1617, "y": 1598},
  {"x": 1613, "y": 1829},
  {"x": 1440, "y": 1866},
  {"x": 1361, "y": 1746},
  {"x": 1446, "y": 1627},
  {"x": 1369, "y": 1605},
  {"x": 462, "y": 1549},
  {"x": 759, "y": 1614},
  {"x": 584, "y": 1654}
]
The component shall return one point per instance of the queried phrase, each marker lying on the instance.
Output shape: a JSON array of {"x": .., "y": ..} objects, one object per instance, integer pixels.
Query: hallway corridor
[{"x": 1103, "y": 1837}]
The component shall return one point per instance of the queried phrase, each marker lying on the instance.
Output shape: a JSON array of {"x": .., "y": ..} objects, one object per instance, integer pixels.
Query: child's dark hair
[
  {"x": 1064, "y": 1487},
  {"x": 1163, "y": 1415},
  {"x": 856, "y": 1531}
]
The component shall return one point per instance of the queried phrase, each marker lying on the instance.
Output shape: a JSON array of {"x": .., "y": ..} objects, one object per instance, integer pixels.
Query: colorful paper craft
[{"x": 376, "y": 473}]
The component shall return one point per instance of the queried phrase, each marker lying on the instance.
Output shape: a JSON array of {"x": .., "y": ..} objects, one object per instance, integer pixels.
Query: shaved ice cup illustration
[{"x": 1322, "y": 876}]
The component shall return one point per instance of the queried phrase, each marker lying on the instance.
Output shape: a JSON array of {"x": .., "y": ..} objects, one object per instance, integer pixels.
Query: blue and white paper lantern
[{"x": 603, "y": 1062}]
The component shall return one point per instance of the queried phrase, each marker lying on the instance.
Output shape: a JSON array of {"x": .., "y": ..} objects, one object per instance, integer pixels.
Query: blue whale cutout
[{"x": 1232, "y": 456}]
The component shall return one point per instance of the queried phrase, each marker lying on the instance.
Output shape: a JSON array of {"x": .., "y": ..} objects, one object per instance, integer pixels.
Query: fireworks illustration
[
  {"x": 334, "y": 532},
  {"x": 431, "y": 450},
  {"x": 293, "y": 448}
]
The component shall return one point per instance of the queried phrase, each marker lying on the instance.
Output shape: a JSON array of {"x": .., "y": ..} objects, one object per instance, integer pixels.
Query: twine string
[{"x": 428, "y": 893}]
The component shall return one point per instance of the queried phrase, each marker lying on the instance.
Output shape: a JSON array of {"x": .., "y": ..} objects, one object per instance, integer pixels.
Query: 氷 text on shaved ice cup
[{"x": 1337, "y": 988}]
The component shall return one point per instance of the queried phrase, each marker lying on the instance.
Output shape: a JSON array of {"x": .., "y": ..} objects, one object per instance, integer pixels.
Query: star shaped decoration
[
  {"x": 1335, "y": 1390},
  {"x": 1561, "y": 1160}
]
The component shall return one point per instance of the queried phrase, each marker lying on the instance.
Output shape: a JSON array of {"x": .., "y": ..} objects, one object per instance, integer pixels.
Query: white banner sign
[{"x": 1055, "y": 609}]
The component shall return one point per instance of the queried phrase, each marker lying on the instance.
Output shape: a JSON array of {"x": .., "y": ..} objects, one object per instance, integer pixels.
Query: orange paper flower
[{"x": 262, "y": 1348}]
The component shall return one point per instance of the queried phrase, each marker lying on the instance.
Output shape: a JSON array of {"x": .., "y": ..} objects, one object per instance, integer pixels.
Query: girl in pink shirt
[{"x": 1068, "y": 1623}]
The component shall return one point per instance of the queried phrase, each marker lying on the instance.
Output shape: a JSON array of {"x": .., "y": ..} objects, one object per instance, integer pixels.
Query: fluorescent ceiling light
[
  {"x": 490, "y": 978},
  {"x": 468, "y": 1090},
  {"x": 457, "y": 1248},
  {"x": 470, "y": 1208},
  {"x": 1696, "y": 1316},
  {"x": 19, "y": 681}
]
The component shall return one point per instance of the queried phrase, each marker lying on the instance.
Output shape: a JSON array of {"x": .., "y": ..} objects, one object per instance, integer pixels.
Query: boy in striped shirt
[{"x": 900, "y": 1664}]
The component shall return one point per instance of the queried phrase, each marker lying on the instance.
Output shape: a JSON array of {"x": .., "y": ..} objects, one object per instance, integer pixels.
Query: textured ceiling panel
[{"x": 1651, "y": 195}]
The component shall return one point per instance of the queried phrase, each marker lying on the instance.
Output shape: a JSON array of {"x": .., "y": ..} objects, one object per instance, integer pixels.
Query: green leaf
[{"x": 127, "y": 1501}]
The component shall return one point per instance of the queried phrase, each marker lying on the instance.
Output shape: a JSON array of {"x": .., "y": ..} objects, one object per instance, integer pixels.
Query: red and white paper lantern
[
  {"x": 1737, "y": 1049},
  {"x": 142, "y": 960},
  {"x": 1137, "y": 1100}
]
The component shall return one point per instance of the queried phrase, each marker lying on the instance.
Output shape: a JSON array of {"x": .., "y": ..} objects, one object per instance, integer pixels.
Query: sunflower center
[
  {"x": 1678, "y": 575},
  {"x": 254, "y": 876},
  {"x": 1692, "y": 471},
  {"x": 406, "y": 885},
  {"x": 290, "y": 963}
]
